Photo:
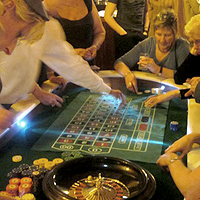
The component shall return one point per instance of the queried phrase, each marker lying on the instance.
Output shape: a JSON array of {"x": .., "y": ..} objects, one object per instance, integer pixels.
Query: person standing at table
[
  {"x": 83, "y": 29},
  {"x": 81, "y": 23},
  {"x": 155, "y": 6},
  {"x": 128, "y": 24},
  {"x": 166, "y": 51},
  {"x": 24, "y": 20},
  {"x": 187, "y": 181}
]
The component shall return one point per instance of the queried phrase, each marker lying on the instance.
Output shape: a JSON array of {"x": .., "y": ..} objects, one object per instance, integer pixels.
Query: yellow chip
[
  {"x": 42, "y": 162},
  {"x": 49, "y": 165},
  {"x": 17, "y": 158},
  {"x": 36, "y": 162},
  {"x": 58, "y": 161},
  {"x": 28, "y": 196}
]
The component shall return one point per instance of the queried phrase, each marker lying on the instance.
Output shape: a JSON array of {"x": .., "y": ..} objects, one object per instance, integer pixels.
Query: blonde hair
[
  {"x": 192, "y": 28},
  {"x": 26, "y": 14}
]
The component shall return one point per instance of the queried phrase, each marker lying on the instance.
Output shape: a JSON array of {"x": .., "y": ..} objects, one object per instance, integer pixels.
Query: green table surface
[{"x": 43, "y": 116}]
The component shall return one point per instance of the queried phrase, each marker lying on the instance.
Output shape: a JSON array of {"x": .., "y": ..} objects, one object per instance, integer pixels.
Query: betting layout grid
[{"x": 101, "y": 125}]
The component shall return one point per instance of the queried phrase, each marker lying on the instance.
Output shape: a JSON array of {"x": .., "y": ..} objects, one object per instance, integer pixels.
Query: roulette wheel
[{"x": 98, "y": 178}]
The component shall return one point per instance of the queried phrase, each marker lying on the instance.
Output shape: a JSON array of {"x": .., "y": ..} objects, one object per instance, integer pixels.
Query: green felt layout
[{"x": 97, "y": 125}]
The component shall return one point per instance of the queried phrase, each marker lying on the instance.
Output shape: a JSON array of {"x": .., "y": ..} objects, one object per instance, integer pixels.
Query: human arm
[
  {"x": 99, "y": 34},
  {"x": 6, "y": 118},
  {"x": 108, "y": 17},
  {"x": 130, "y": 79},
  {"x": 46, "y": 98},
  {"x": 55, "y": 79},
  {"x": 184, "y": 144},
  {"x": 151, "y": 65},
  {"x": 193, "y": 82},
  {"x": 187, "y": 181},
  {"x": 154, "y": 100}
]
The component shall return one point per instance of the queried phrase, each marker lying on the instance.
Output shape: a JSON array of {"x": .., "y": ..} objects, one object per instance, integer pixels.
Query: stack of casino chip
[{"x": 28, "y": 178}]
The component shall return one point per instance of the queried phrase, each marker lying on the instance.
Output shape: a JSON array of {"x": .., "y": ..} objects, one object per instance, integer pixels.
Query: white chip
[
  {"x": 147, "y": 91},
  {"x": 139, "y": 93}
]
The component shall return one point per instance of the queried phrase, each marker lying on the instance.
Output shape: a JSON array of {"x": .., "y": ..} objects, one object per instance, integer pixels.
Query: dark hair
[{"x": 166, "y": 19}]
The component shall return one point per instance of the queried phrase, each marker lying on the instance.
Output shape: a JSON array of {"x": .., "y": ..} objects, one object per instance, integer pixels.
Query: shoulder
[
  {"x": 182, "y": 41},
  {"x": 182, "y": 45}
]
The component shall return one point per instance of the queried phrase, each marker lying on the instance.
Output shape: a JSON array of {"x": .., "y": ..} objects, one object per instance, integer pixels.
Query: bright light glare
[
  {"x": 162, "y": 87},
  {"x": 22, "y": 124}
]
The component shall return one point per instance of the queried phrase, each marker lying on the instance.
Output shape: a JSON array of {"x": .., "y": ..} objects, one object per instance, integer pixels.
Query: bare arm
[
  {"x": 99, "y": 31},
  {"x": 130, "y": 79},
  {"x": 187, "y": 181},
  {"x": 109, "y": 10}
]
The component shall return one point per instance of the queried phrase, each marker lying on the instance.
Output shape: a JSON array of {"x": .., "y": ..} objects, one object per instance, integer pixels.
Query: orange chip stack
[
  {"x": 15, "y": 181},
  {"x": 5, "y": 193},
  {"x": 12, "y": 189},
  {"x": 26, "y": 180},
  {"x": 24, "y": 189}
]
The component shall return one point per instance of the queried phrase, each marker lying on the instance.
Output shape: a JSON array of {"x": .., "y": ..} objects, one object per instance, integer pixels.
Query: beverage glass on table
[{"x": 140, "y": 67}]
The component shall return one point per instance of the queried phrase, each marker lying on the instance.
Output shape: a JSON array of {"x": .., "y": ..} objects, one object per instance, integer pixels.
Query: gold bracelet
[{"x": 127, "y": 74}]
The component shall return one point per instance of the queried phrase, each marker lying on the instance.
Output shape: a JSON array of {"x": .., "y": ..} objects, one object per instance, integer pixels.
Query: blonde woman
[{"x": 18, "y": 20}]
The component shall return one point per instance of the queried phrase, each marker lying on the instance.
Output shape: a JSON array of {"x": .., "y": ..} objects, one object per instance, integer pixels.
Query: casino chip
[
  {"x": 147, "y": 91},
  {"x": 17, "y": 158},
  {"x": 28, "y": 196},
  {"x": 139, "y": 93}
]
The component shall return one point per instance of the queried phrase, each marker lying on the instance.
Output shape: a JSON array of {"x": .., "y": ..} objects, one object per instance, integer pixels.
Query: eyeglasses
[{"x": 197, "y": 42}]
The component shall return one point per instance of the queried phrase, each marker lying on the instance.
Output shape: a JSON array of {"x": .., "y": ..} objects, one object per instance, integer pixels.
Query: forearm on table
[{"x": 122, "y": 69}]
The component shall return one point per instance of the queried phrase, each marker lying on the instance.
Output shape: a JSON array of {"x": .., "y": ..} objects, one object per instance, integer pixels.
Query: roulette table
[{"x": 41, "y": 119}]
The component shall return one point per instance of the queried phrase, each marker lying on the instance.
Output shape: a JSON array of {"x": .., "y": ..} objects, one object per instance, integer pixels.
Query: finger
[{"x": 189, "y": 93}]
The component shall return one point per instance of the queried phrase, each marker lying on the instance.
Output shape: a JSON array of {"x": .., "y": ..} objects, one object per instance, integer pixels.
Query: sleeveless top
[{"x": 79, "y": 33}]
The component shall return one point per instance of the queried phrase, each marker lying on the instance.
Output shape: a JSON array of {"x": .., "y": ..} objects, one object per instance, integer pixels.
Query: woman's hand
[
  {"x": 47, "y": 98},
  {"x": 154, "y": 100},
  {"x": 131, "y": 82},
  {"x": 118, "y": 95},
  {"x": 149, "y": 63},
  {"x": 164, "y": 160},
  {"x": 90, "y": 52},
  {"x": 58, "y": 80},
  {"x": 183, "y": 145}
]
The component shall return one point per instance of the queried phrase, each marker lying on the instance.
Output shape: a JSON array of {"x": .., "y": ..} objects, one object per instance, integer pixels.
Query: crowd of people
[{"x": 65, "y": 36}]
